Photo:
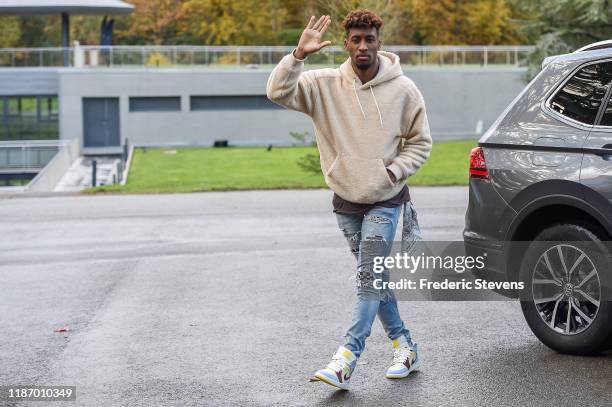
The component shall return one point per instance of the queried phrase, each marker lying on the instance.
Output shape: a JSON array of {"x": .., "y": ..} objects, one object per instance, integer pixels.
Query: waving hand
[{"x": 310, "y": 41}]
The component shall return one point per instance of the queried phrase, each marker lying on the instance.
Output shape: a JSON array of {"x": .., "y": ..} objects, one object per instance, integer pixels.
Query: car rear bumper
[
  {"x": 486, "y": 221},
  {"x": 491, "y": 250}
]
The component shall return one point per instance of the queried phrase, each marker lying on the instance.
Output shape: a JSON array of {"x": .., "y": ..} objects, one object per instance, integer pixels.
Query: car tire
[{"x": 568, "y": 308}]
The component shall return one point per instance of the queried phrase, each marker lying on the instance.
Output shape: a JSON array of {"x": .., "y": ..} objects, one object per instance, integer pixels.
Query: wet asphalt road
[{"x": 236, "y": 299}]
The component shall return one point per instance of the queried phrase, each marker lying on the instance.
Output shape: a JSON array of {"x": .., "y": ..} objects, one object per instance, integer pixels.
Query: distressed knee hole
[
  {"x": 352, "y": 236},
  {"x": 377, "y": 219},
  {"x": 365, "y": 278}
]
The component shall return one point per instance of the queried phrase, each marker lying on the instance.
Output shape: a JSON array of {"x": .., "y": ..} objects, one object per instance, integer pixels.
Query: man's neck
[{"x": 366, "y": 75}]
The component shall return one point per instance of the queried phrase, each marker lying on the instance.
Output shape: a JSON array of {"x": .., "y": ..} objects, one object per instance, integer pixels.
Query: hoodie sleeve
[
  {"x": 288, "y": 86},
  {"x": 416, "y": 142}
]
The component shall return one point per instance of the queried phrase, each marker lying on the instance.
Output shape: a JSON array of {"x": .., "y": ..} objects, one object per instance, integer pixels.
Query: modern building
[
  {"x": 102, "y": 104},
  {"x": 98, "y": 97}
]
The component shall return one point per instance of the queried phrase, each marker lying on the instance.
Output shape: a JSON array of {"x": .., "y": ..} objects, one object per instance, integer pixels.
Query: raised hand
[{"x": 310, "y": 41}]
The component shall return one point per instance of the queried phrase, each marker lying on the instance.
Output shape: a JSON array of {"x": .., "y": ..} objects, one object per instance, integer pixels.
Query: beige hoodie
[{"x": 361, "y": 129}]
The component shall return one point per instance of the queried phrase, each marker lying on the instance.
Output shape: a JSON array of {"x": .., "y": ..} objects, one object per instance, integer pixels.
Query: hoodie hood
[{"x": 389, "y": 69}]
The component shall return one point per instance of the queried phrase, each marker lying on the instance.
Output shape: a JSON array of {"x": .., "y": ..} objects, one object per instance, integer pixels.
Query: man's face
[{"x": 362, "y": 45}]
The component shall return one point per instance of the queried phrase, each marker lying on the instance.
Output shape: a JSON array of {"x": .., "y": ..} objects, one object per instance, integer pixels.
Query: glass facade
[{"x": 29, "y": 117}]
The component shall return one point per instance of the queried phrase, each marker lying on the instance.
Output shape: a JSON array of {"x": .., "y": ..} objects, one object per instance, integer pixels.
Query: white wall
[{"x": 457, "y": 98}]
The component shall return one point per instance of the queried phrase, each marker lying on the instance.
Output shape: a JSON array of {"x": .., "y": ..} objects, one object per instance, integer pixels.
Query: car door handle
[{"x": 606, "y": 154}]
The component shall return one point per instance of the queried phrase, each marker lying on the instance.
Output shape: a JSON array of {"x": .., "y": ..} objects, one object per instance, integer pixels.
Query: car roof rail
[
  {"x": 548, "y": 60},
  {"x": 596, "y": 45}
]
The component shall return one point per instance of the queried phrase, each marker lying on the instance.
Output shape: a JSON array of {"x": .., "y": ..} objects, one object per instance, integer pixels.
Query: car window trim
[{"x": 602, "y": 110}]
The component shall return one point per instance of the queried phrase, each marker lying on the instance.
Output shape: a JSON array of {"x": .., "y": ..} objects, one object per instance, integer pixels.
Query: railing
[
  {"x": 27, "y": 155},
  {"x": 45, "y": 162},
  {"x": 251, "y": 56},
  {"x": 33, "y": 57}
]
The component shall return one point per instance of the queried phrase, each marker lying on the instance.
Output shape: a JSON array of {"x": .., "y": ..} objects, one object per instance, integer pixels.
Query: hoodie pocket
[{"x": 359, "y": 180}]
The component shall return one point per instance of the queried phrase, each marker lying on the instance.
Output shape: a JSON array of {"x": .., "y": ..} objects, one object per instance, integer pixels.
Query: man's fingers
[
  {"x": 325, "y": 25},
  {"x": 310, "y": 22},
  {"x": 319, "y": 23},
  {"x": 324, "y": 44}
]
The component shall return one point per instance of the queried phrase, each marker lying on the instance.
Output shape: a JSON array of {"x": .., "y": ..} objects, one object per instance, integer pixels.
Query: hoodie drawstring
[
  {"x": 375, "y": 103},
  {"x": 358, "y": 101}
]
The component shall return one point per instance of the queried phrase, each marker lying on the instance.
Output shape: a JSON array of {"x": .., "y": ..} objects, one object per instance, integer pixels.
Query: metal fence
[
  {"x": 27, "y": 155},
  {"x": 33, "y": 57},
  {"x": 250, "y": 56}
]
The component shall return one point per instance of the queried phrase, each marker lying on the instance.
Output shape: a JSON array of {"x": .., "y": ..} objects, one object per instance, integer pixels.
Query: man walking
[{"x": 372, "y": 133}]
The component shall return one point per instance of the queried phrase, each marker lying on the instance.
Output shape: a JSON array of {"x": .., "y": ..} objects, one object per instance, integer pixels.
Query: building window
[
  {"x": 47, "y": 108},
  {"x": 155, "y": 104},
  {"x": 29, "y": 117},
  {"x": 580, "y": 97},
  {"x": 239, "y": 102}
]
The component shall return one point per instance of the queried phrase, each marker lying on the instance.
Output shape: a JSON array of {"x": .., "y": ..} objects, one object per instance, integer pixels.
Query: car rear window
[{"x": 581, "y": 96}]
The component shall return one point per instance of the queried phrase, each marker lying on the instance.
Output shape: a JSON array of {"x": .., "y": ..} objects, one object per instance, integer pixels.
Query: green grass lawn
[{"x": 222, "y": 169}]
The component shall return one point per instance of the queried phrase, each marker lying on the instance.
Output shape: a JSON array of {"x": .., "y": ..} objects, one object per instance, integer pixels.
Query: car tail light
[{"x": 478, "y": 166}]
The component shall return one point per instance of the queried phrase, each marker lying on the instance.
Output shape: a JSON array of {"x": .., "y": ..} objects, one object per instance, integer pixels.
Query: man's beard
[{"x": 363, "y": 66}]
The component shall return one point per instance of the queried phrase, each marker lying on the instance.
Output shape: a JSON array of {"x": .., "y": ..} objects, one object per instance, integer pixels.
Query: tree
[
  {"x": 153, "y": 21},
  {"x": 10, "y": 32},
  {"x": 459, "y": 22},
  {"x": 244, "y": 22},
  {"x": 565, "y": 25},
  {"x": 46, "y": 31},
  {"x": 389, "y": 11},
  {"x": 85, "y": 29},
  {"x": 297, "y": 15},
  {"x": 433, "y": 22},
  {"x": 273, "y": 22}
]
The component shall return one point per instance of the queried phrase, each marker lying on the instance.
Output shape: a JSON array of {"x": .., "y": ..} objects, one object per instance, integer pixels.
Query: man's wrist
[
  {"x": 396, "y": 170},
  {"x": 299, "y": 54}
]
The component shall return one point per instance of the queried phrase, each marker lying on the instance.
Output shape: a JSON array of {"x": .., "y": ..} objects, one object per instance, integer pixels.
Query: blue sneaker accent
[{"x": 338, "y": 372}]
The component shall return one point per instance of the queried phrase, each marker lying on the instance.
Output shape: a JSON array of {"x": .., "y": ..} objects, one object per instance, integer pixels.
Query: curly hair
[{"x": 361, "y": 18}]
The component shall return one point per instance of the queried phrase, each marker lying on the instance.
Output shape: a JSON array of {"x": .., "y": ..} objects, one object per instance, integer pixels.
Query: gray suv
[{"x": 542, "y": 175}]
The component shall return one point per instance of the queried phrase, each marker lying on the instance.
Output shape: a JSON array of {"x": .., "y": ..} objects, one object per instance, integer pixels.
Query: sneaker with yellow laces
[
  {"x": 338, "y": 371},
  {"x": 405, "y": 359}
]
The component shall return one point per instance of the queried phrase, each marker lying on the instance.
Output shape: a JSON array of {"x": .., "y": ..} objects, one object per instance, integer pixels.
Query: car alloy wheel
[{"x": 566, "y": 289}]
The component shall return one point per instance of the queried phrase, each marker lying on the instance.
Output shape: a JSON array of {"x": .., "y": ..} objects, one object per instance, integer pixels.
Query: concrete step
[{"x": 79, "y": 175}]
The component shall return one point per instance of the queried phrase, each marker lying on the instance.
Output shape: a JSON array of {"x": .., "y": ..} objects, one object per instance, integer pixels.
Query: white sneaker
[
  {"x": 405, "y": 359},
  {"x": 338, "y": 372}
]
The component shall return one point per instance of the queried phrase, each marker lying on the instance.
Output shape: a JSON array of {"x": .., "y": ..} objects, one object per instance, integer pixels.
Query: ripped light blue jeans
[{"x": 370, "y": 236}]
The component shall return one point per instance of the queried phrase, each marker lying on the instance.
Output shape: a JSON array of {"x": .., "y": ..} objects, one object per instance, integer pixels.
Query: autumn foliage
[{"x": 278, "y": 22}]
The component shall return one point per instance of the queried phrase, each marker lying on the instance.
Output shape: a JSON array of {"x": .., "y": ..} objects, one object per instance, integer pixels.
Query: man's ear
[{"x": 345, "y": 42}]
